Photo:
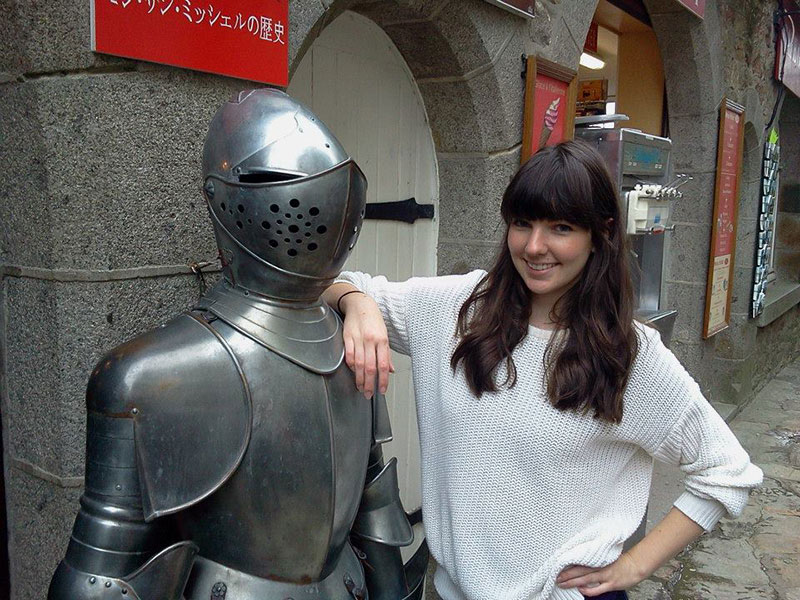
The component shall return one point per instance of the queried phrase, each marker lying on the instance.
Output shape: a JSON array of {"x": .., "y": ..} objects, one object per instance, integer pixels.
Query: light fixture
[{"x": 590, "y": 60}]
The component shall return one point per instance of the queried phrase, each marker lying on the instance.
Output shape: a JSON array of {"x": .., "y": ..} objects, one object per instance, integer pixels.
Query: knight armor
[{"x": 229, "y": 454}]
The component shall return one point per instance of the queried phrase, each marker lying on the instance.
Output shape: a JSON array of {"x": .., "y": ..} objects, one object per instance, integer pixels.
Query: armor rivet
[
  {"x": 209, "y": 187},
  {"x": 118, "y": 487},
  {"x": 135, "y": 411},
  {"x": 108, "y": 584},
  {"x": 124, "y": 591},
  {"x": 92, "y": 579}
]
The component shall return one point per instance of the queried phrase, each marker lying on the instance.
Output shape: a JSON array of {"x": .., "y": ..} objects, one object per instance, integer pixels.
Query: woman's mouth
[{"x": 540, "y": 267}]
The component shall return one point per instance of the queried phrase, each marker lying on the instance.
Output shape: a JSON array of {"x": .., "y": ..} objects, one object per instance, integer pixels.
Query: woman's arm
[
  {"x": 366, "y": 342},
  {"x": 665, "y": 540}
]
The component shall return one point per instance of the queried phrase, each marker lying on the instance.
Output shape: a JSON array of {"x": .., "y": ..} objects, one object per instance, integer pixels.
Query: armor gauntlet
[{"x": 112, "y": 550}]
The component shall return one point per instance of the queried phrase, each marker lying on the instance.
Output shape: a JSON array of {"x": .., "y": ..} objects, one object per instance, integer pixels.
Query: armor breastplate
[{"x": 286, "y": 511}]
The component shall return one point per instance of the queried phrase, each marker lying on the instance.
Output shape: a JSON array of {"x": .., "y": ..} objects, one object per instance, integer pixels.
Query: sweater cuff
[{"x": 703, "y": 511}]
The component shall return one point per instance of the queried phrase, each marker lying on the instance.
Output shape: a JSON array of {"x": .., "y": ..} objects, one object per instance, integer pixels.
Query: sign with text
[
  {"x": 522, "y": 8},
  {"x": 247, "y": 39},
  {"x": 787, "y": 50},
  {"x": 550, "y": 95},
  {"x": 698, "y": 7},
  {"x": 719, "y": 286}
]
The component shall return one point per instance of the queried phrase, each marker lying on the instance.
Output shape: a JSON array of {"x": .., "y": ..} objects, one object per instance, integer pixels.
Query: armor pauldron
[
  {"x": 163, "y": 577},
  {"x": 381, "y": 517},
  {"x": 179, "y": 462}
]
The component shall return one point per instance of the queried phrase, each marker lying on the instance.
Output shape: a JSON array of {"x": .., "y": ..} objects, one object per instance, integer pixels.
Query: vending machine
[{"x": 641, "y": 166}]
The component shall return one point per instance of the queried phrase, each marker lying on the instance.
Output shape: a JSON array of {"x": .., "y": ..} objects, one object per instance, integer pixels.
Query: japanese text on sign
[{"x": 222, "y": 37}]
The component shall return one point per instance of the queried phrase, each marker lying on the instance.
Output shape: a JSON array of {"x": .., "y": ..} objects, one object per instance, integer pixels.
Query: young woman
[{"x": 541, "y": 403}]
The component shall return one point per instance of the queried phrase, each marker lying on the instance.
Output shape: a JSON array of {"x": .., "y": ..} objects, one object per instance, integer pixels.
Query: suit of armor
[{"x": 229, "y": 454}]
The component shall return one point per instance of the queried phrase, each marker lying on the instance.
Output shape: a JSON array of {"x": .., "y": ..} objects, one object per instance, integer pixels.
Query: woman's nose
[{"x": 536, "y": 242}]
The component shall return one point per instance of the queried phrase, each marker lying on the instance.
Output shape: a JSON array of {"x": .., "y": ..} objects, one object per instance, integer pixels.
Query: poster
[
  {"x": 550, "y": 95},
  {"x": 247, "y": 39},
  {"x": 723, "y": 228}
]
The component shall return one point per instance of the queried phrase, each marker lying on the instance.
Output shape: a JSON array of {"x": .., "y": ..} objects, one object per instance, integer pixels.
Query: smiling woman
[{"x": 538, "y": 414}]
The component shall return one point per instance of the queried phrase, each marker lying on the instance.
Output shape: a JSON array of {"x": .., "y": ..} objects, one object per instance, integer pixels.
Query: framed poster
[
  {"x": 248, "y": 39},
  {"x": 719, "y": 285},
  {"x": 550, "y": 94}
]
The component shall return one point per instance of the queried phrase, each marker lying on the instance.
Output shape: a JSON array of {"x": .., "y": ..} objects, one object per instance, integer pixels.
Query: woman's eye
[
  {"x": 562, "y": 227},
  {"x": 519, "y": 223}
]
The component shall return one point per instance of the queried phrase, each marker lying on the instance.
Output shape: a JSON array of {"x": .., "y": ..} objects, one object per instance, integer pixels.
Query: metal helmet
[{"x": 286, "y": 200}]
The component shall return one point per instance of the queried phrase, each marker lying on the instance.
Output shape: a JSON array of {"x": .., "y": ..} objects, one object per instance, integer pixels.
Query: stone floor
[{"x": 756, "y": 556}]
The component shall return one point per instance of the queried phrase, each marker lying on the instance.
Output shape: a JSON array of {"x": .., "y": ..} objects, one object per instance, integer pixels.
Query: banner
[{"x": 247, "y": 39}]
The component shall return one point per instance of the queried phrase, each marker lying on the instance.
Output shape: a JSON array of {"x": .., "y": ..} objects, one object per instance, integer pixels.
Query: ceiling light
[{"x": 590, "y": 60}]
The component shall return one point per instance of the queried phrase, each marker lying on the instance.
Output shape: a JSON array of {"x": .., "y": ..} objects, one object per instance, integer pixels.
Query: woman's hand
[
  {"x": 622, "y": 574},
  {"x": 366, "y": 343}
]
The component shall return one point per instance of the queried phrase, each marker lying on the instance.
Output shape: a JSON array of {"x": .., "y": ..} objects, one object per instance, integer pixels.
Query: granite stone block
[
  {"x": 738, "y": 340},
  {"x": 482, "y": 114},
  {"x": 690, "y": 247},
  {"x": 742, "y": 295},
  {"x": 694, "y": 142},
  {"x": 689, "y": 299},
  {"x": 746, "y": 235},
  {"x": 306, "y": 21},
  {"x": 694, "y": 68},
  {"x": 121, "y": 181},
  {"x": 40, "y": 518},
  {"x": 46, "y": 37},
  {"x": 470, "y": 191},
  {"x": 461, "y": 38},
  {"x": 56, "y": 332},
  {"x": 462, "y": 258},
  {"x": 25, "y": 219},
  {"x": 696, "y": 204},
  {"x": 400, "y": 11}
]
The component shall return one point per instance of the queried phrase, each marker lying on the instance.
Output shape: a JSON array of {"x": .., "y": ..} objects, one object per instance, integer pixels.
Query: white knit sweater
[{"x": 513, "y": 490}]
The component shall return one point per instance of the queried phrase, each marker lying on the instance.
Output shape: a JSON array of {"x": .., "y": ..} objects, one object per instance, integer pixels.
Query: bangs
[{"x": 550, "y": 187}]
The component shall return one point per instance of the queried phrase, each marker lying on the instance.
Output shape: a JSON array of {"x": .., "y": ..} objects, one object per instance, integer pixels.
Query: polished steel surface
[
  {"x": 285, "y": 200},
  {"x": 309, "y": 336},
  {"x": 381, "y": 517},
  {"x": 208, "y": 575},
  {"x": 287, "y": 510}
]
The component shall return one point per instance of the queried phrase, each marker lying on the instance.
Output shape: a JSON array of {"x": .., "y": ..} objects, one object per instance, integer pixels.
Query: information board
[
  {"x": 719, "y": 286},
  {"x": 247, "y": 39}
]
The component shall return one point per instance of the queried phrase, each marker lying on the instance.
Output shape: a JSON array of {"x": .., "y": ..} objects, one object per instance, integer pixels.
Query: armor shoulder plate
[{"x": 191, "y": 408}]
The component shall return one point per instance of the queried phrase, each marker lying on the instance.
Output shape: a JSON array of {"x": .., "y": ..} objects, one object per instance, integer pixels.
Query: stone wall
[{"x": 100, "y": 211}]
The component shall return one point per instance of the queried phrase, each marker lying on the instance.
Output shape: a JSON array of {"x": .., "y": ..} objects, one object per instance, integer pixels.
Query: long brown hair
[{"x": 588, "y": 368}]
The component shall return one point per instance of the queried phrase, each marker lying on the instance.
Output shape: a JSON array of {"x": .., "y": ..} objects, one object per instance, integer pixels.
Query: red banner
[
  {"x": 698, "y": 7},
  {"x": 247, "y": 39},
  {"x": 787, "y": 53}
]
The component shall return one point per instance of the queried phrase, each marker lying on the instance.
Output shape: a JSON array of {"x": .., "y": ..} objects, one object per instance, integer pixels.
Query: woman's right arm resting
[{"x": 366, "y": 340}]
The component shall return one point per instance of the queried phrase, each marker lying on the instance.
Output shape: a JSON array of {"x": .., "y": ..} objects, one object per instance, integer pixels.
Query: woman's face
[{"x": 548, "y": 255}]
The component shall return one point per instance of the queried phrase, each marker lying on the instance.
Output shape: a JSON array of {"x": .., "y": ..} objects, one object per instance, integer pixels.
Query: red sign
[
  {"x": 549, "y": 112},
  {"x": 723, "y": 229},
  {"x": 591, "y": 38},
  {"x": 698, "y": 7},
  {"x": 787, "y": 54},
  {"x": 247, "y": 39}
]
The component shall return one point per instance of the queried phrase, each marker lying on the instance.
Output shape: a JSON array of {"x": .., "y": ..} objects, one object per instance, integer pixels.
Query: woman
[{"x": 541, "y": 403}]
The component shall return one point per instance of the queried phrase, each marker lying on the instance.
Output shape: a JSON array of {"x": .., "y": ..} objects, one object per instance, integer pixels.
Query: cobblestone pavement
[{"x": 756, "y": 556}]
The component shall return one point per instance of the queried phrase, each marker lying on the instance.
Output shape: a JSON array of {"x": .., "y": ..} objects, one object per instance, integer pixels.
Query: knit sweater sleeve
[
  {"x": 416, "y": 307},
  {"x": 718, "y": 471}
]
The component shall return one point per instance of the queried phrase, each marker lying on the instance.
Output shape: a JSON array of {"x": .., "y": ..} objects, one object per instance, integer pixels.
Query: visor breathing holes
[
  {"x": 294, "y": 202},
  {"x": 308, "y": 223},
  {"x": 274, "y": 208},
  {"x": 287, "y": 240},
  {"x": 249, "y": 221},
  {"x": 273, "y": 243},
  {"x": 288, "y": 215},
  {"x": 312, "y": 246},
  {"x": 239, "y": 224},
  {"x": 240, "y": 208},
  {"x": 307, "y": 234},
  {"x": 299, "y": 217},
  {"x": 322, "y": 229},
  {"x": 222, "y": 205},
  {"x": 279, "y": 222},
  {"x": 313, "y": 211},
  {"x": 279, "y": 232},
  {"x": 294, "y": 228},
  {"x": 291, "y": 252},
  {"x": 265, "y": 224}
]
